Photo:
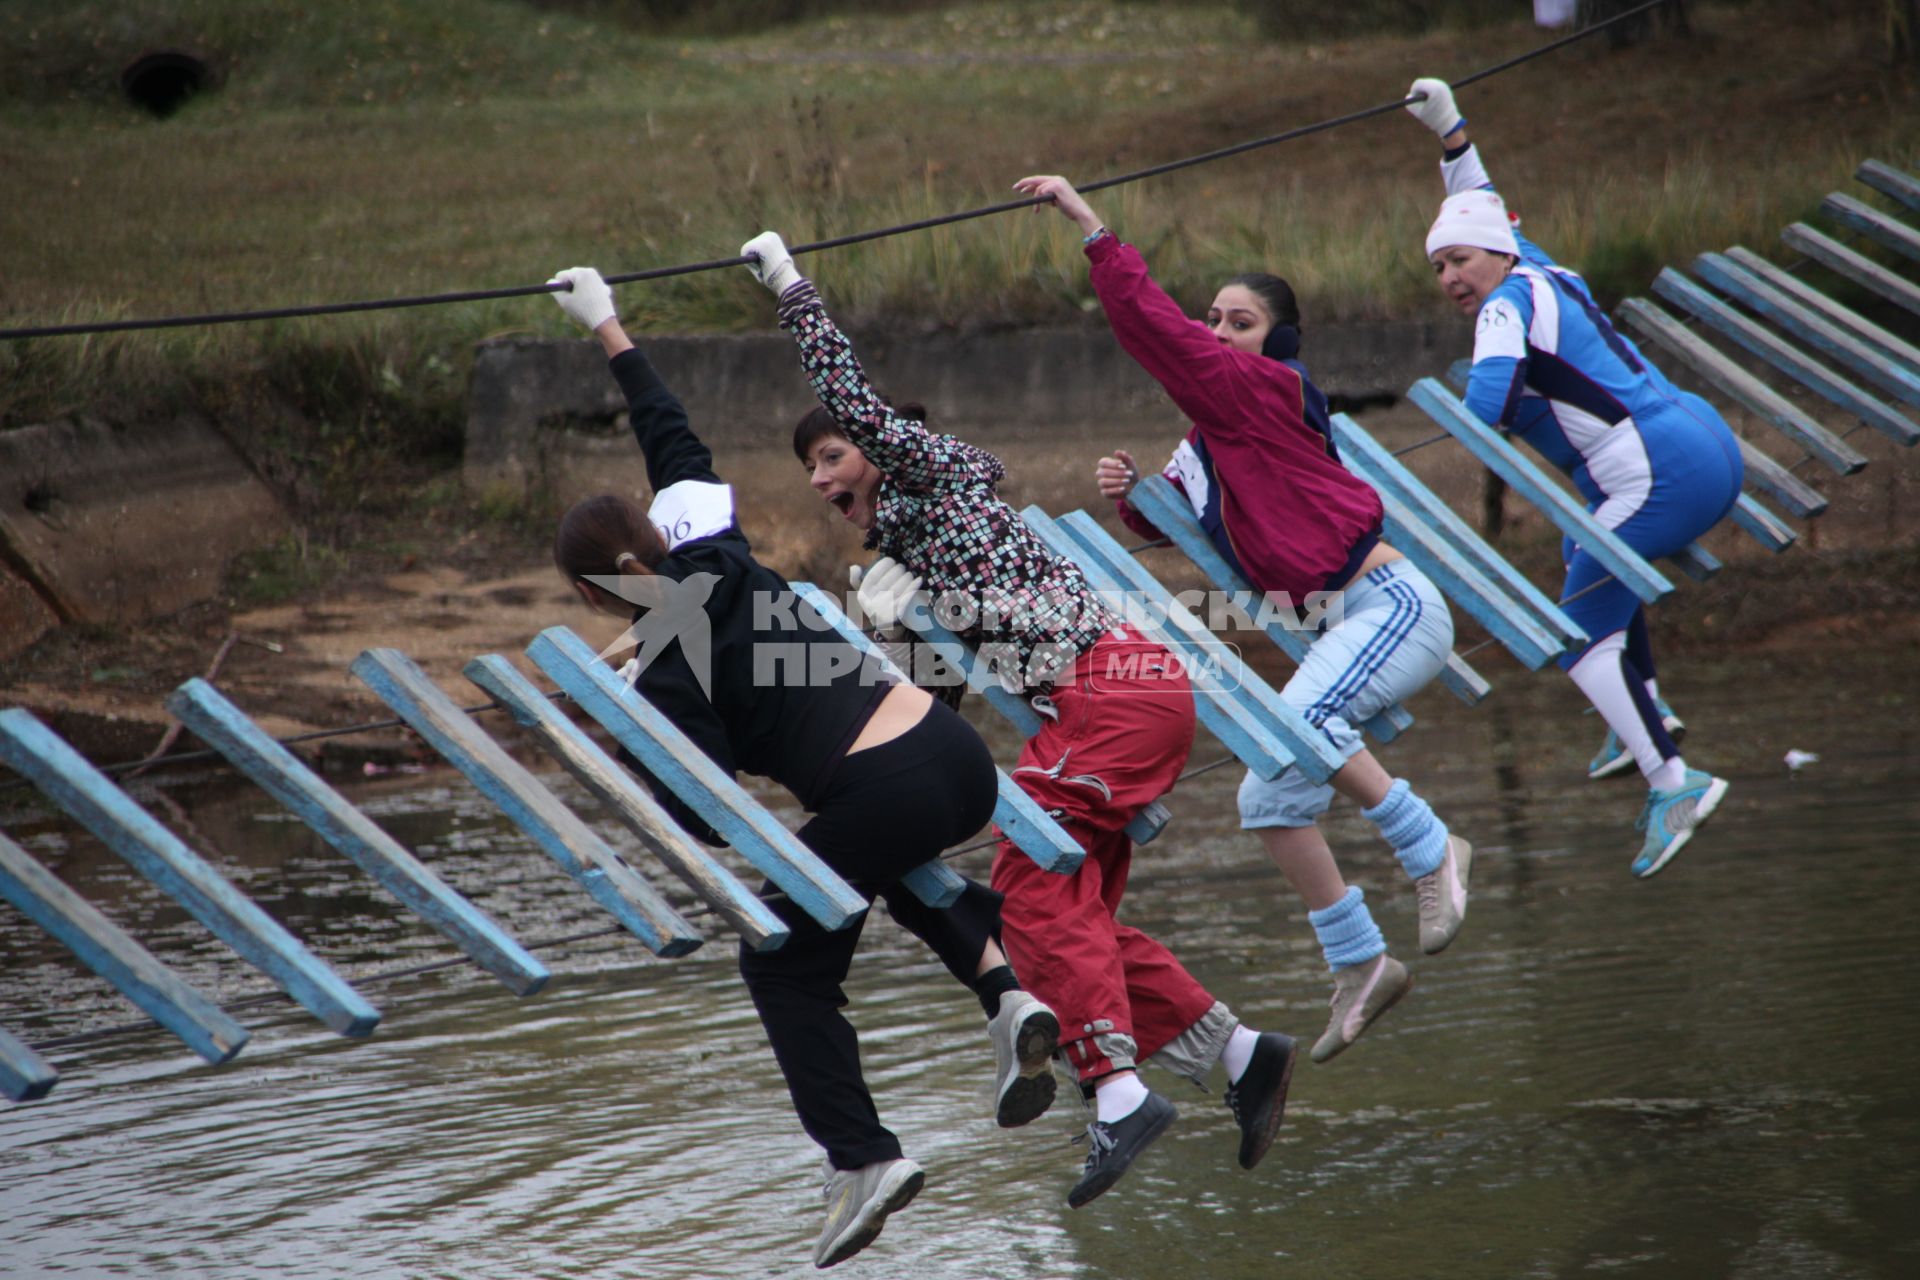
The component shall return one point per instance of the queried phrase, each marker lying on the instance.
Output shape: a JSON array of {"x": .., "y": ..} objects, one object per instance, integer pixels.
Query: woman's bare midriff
[{"x": 904, "y": 707}]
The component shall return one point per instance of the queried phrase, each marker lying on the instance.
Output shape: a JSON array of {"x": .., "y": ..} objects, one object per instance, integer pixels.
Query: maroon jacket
[{"x": 1298, "y": 520}]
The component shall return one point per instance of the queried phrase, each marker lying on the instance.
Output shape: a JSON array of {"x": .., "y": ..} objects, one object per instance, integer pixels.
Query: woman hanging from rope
[
  {"x": 891, "y": 777},
  {"x": 1259, "y": 468},
  {"x": 1656, "y": 465},
  {"x": 1117, "y": 722}
]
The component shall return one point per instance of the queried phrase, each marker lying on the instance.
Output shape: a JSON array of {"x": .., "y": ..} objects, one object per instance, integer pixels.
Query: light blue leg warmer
[
  {"x": 1347, "y": 932},
  {"x": 1409, "y": 825}
]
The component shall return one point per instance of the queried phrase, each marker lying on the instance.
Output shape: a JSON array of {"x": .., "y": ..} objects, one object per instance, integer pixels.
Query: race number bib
[
  {"x": 691, "y": 509},
  {"x": 1500, "y": 331}
]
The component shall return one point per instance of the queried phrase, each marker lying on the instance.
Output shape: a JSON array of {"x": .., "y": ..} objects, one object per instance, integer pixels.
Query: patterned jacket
[{"x": 992, "y": 581}]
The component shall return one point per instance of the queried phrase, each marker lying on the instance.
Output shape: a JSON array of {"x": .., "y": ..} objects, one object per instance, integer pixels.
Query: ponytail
[{"x": 604, "y": 536}]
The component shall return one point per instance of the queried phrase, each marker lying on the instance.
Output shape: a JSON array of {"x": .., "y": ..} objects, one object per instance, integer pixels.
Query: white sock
[
  {"x": 1238, "y": 1054},
  {"x": 1118, "y": 1096},
  {"x": 1669, "y": 775}
]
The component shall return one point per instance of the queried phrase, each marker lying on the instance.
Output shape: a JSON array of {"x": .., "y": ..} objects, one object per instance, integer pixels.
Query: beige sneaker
[
  {"x": 858, "y": 1202},
  {"x": 1443, "y": 896},
  {"x": 1361, "y": 994},
  {"x": 1024, "y": 1034}
]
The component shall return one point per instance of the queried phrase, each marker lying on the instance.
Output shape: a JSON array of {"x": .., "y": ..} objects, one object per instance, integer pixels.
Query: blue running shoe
[
  {"x": 1613, "y": 759},
  {"x": 1671, "y": 817}
]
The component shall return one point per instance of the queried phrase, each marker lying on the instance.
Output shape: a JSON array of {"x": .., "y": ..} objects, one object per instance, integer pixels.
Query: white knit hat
[{"x": 1475, "y": 218}]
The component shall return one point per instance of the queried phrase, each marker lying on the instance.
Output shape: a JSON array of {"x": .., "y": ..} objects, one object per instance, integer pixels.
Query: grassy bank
[{"x": 389, "y": 148}]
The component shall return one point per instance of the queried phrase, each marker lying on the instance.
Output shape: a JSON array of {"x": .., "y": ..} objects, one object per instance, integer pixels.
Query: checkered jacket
[{"x": 936, "y": 512}]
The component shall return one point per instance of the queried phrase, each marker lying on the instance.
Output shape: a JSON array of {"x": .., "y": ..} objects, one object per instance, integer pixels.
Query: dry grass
[{"x": 432, "y": 146}]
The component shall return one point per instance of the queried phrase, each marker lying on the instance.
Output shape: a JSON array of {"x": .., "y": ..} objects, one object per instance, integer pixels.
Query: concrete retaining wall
[
  {"x": 543, "y": 416},
  {"x": 108, "y": 523}
]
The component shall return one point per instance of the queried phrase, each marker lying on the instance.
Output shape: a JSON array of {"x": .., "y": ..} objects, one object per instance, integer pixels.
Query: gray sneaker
[
  {"x": 1361, "y": 993},
  {"x": 858, "y": 1202},
  {"x": 1024, "y": 1035},
  {"x": 1443, "y": 896}
]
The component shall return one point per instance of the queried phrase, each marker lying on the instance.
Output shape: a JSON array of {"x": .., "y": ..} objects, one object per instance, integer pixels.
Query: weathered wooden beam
[
  {"x": 1882, "y": 358},
  {"x": 1884, "y": 178},
  {"x": 570, "y": 842},
  {"x": 669, "y": 755},
  {"x": 1787, "y": 357},
  {"x": 1019, "y": 818},
  {"x": 1869, "y": 221},
  {"x": 1238, "y": 707},
  {"x": 1793, "y": 493},
  {"x": 1765, "y": 527},
  {"x": 620, "y": 792},
  {"x": 1699, "y": 355},
  {"x": 1156, "y": 499},
  {"x": 36, "y": 753},
  {"x": 110, "y": 952},
  {"x": 1623, "y": 562},
  {"x": 275, "y": 770},
  {"x": 1862, "y": 270},
  {"x": 1367, "y": 457},
  {"x": 24, "y": 1074}
]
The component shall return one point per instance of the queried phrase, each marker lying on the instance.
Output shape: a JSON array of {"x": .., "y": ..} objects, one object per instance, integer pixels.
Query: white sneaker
[
  {"x": 1443, "y": 896},
  {"x": 1024, "y": 1034},
  {"x": 858, "y": 1202}
]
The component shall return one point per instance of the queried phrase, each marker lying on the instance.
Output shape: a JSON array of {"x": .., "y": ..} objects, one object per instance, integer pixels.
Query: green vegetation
[{"x": 395, "y": 147}]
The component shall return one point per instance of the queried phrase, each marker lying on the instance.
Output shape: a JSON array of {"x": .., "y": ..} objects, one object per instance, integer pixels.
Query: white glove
[
  {"x": 630, "y": 672},
  {"x": 772, "y": 265},
  {"x": 885, "y": 591},
  {"x": 1438, "y": 112},
  {"x": 589, "y": 302}
]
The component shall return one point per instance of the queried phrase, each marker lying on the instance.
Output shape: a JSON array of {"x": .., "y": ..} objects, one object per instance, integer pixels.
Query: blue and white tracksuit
[{"x": 1657, "y": 465}]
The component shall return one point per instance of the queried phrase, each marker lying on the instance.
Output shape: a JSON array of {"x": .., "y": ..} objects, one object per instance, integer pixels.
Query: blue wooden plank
[
  {"x": 1368, "y": 458},
  {"x": 1572, "y": 519},
  {"x": 1816, "y": 319},
  {"x": 1696, "y": 562},
  {"x": 1864, "y": 271},
  {"x": 1667, "y": 332},
  {"x": 1230, "y": 699},
  {"x": 1156, "y": 499},
  {"x": 1504, "y": 619},
  {"x": 1872, "y": 223},
  {"x": 24, "y": 1075},
  {"x": 110, "y": 952},
  {"x": 1018, "y": 817},
  {"x": 669, "y": 755},
  {"x": 570, "y": 842},
  {"x": 1768, "y": 529},
  {"x": 609, "y": 782},
  {"x": 1887, "y": 180},
  {"x": 958, "y": 655},
  {"x": 225, "y": 728},
  {"x": 36, "y": 753},
  {"x": 935, "y": 883},
  {"x": 1787, "y": 357}
]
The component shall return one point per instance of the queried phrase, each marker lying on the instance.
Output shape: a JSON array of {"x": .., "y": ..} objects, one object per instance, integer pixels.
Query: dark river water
[{"x": 1712, "y": 1073}]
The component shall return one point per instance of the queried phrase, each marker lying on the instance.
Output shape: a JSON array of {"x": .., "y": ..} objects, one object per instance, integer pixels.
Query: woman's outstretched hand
[
  {"x": 1438, "y": 111},
  {"x": 772, "y": 265},
  {"x": 1064, "y": 197},
  {"x": 1116, "y": 475},
  {"x": 586, "y": 300}
]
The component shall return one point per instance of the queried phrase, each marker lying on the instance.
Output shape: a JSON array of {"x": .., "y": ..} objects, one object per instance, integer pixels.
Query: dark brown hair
[
  {"x": 816, "y": 424},
  {"x": 1274, "y": 293},
  {"x": 605, "y": 535}
]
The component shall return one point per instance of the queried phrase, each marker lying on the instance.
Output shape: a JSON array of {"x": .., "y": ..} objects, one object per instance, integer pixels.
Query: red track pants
[{"x": 1124, "y": 729}]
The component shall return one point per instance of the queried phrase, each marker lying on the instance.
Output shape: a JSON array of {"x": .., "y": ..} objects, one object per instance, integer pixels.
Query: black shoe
[
  {"x": 1260, "y": 1097},
  {"x": 1114, "y": 1147}
]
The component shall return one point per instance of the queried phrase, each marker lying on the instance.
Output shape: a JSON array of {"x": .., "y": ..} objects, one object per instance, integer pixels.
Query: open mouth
[{"x": 844, "y": 501}]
